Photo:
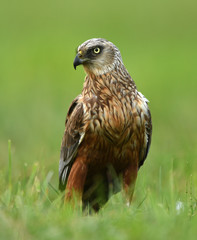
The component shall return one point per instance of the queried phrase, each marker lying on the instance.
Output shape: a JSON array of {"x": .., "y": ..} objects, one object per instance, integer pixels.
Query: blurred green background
[
  {"x": 158, "y": 43},
  {"x": 38, "y": 39}
]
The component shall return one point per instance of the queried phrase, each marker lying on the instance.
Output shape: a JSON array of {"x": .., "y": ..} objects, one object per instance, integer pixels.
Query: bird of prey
[{"x": 107, "y": 131}]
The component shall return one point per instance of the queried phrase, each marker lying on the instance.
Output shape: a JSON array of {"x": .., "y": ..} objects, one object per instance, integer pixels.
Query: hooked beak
[{"x": 77, "y": 61}]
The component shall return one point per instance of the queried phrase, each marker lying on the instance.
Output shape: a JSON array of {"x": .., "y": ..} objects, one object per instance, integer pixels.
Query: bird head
[{"x": 98, "y": 56}]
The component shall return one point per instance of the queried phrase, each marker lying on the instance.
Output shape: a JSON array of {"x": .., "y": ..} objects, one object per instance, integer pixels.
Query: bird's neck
[{"x": 114, "y": 83}]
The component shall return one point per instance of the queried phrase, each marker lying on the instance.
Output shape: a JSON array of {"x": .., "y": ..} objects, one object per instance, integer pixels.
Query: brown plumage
[{"x": 108, "y": 129}]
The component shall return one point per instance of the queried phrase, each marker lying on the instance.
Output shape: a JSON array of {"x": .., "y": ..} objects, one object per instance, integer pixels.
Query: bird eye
[{"x": 97, "y": 50}]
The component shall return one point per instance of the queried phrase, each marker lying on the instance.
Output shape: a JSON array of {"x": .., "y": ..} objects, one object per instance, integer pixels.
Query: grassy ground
[{"x": 38, "y": 39}]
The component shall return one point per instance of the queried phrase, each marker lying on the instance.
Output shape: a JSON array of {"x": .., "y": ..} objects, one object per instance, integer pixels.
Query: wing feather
[
  {"x": 72, "y": 138},
  {"x": 148, "y": 132}
]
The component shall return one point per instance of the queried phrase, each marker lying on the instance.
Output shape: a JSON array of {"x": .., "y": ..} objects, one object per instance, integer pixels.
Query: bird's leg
[
  {"x": 76, "y": 181},
  {"x": 129, "y": 179}
]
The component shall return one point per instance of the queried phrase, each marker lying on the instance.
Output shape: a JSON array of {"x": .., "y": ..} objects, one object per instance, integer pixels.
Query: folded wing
[
  {"x": 148, "y": 134},
  {"x": 72, "y": 138}
]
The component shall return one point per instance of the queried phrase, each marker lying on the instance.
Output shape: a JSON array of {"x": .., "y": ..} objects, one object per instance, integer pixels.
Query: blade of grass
[
  {"x": 53, "y": 188},
  {"x": 9, "y": 164},
  {"x": 172, "y": 187}
]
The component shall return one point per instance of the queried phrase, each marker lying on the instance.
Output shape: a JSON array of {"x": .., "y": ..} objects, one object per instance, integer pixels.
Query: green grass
[{"x": 38, "y": 39}]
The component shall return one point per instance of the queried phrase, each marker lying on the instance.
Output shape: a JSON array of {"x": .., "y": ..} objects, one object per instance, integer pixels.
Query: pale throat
[{"x": 98, "y": 70}]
